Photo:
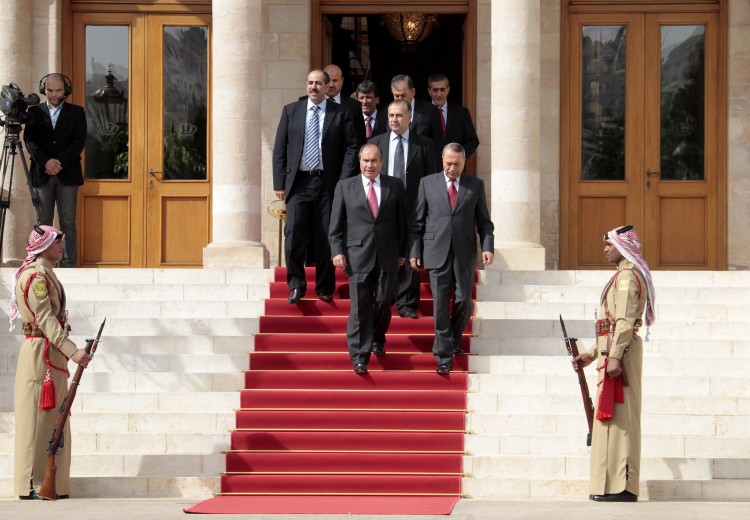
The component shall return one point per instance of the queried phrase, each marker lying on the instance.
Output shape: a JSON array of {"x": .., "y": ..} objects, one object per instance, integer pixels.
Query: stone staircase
[{"x": 154, "y": 409}]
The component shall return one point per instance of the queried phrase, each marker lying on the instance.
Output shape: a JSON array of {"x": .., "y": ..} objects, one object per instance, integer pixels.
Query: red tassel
[{"x": 48, "y": 392}]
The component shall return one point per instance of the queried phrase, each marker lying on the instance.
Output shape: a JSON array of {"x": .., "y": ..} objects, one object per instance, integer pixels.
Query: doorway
[
  {"x": 643, "y": 127},
  {"x": 146, "y": 197}
]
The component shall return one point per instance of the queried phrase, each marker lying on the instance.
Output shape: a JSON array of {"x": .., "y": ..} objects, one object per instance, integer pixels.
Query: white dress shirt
[
  {"x": 392, "y": 150},
  {"x": 375, "y": 186}
]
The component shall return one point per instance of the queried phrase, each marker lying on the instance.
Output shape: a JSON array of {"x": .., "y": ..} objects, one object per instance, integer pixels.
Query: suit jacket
[
  {"x": 338, "y": 145},
  {"x": 458, "y": 129},
  {"x": 355, "y": 233},
  {"x": 422, "y": 119},
  {"x": 355, "y": 107},
  {"x": 435, "y": 227},
  {"x": 65, "y": 143},
  {"x": 380, "y": 125},
  {"x": 420, "y": 161}
]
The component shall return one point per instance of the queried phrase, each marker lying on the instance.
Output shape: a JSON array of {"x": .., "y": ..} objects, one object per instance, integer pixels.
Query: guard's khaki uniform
[
  {"x": 616, "y": 443},
  {"x": 34, "y": 426}
]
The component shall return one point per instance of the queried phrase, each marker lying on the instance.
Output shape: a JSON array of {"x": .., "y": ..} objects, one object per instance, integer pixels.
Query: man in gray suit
[
  {"x": 368, "y": 241},
  {"x": 409, "y": 161},
  {"x": 451, "y": 209}
]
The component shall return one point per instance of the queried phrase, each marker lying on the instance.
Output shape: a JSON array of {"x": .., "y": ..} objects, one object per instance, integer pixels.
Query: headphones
[{"x": 66, "y": 81}]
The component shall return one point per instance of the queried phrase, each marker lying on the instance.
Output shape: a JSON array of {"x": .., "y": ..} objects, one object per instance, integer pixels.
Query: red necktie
[
  {"x": 372, "y": 200},
  {"x": 452, "y": 194},
  {"x": 442, "y": 119},
  {"x": 368, "y": 127}
]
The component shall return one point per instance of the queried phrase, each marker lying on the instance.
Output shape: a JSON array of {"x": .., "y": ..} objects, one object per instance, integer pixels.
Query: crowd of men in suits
[{"x": 362, "y": 194}]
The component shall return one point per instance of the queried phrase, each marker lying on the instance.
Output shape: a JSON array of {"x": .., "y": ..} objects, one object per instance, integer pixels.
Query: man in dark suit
[
  {"x": 402, "y": 87},
  {"x": 55, "y": 141},
  {"x": 333, "y": 93},
  {"x": 315, "y": 146},
  {"x": 451, "y": 209},
  {"x": 376, "y": 121},
  {"x": 450, "y": 123},
  {"x": 368, "y": 240},
  {"x": 410, "y": 161}
]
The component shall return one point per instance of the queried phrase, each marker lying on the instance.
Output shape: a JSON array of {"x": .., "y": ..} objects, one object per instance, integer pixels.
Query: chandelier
[{"x": 409, "y": 28}]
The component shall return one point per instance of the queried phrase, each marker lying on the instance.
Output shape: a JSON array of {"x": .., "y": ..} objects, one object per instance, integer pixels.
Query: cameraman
[{"x": 55, "y": 140}]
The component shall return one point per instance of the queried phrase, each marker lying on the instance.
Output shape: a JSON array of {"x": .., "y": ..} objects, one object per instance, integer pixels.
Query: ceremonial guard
[
  {"x": 616, "y": 435},
  {"x": 42, "y": 374}
]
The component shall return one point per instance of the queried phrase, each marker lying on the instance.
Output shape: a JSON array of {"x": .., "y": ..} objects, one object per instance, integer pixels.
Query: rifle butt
[{"x": 48, "y": 491}]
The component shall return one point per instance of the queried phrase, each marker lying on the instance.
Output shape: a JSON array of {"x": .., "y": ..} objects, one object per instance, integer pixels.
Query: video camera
[{"x": 14, "y": 105}]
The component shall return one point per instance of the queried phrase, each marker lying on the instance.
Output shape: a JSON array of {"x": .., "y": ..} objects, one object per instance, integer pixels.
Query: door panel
[
  {"x": 138, "y": 122},
  {"x": 642, "y": 133}
]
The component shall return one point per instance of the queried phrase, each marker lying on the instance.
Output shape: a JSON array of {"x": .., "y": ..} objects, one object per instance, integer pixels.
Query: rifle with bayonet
[
  {"x": 588, "y": 405},
  {"x": 48, "y": 490}
]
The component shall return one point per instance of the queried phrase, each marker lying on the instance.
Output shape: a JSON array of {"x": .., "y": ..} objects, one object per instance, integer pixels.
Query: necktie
[
  {"x": 399, "y": 169},
  {"x": 452, "y": 194},
  {"x": 312, "y": 138},
  {"x": 372, "y": 200},
  {"x": 442, "y": 119},
  {"x": 368, "y": 126}
]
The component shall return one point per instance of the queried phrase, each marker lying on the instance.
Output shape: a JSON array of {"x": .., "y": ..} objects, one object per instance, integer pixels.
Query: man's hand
[
  {"x": 416, "y": 263},
  {"x": 488, "y": 257},
  {"x": 401, "y": 261},
  {"x": 339, "y": 261},
  {"x": 613, "y": 368},
  {"x": 581, "y": 360},
  {"x": 80, "y": 357},
  {"x": 52, "y": 167},
  {"x": 280, "y": 194}
]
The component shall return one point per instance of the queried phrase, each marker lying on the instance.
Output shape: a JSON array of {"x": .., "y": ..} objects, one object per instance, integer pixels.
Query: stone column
[
  {"x": 16, "y": 67},
  {"x": 515, "y": 127},
  {"x": 236, "y": 143}
]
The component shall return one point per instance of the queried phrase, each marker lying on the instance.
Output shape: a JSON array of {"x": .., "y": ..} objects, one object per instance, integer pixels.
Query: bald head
[{"x": 336, "y": 80}]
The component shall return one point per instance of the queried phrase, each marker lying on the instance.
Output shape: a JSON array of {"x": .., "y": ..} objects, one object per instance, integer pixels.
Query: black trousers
[
  {"x": 451, "y": 318},
  {"x": 371, "y": 296},
  {"x": 308, "y": 214},
  {"x": 408, "y": 289}
]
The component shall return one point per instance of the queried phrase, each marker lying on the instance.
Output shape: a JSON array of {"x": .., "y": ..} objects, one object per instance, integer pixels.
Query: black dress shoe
[
  {"x": 325, "y": 297},
  {"x": 378, "y": 349},
  {"x": 31, "y": 496},
  {"x": 408, "y": 313},
  {"x": 360, "y": 368},
  {"x": 444, "y": 368},
  {"x": 63, "y": 497},
  {"x": 458, "y": 351},
  {"x": 624, "y": 496},
  {"x": 295, "y": 296}
]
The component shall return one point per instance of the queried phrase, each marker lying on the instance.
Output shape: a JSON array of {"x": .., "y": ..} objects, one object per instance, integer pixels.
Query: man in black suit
[
  {"x": 55, "y": 141},
  {"x": 409, "y": 162},
  {"x": 376, "y": 121},
  {"x": 333, "y": 93},
  {"x": 402, "y": 87},
  {"x": 368, "y": 240},
  {"x": 450, "y": 123},
  {"x": 451, "y": 209},
  {"x": 315, "y": 146}
]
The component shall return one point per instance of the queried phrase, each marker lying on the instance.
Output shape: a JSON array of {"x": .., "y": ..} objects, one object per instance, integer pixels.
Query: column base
[
  {"x": 240, "y": 253},
  {"x": 519, "y": 256}
]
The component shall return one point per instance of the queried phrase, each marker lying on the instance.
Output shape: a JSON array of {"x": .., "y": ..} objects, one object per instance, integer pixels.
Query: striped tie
[{"x": 312, "y": 138}]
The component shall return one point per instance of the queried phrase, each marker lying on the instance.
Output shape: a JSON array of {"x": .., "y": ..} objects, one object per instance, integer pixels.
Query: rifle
[
  {"x": 48, "y": 491},
  {"x": 588, "y": 405}
]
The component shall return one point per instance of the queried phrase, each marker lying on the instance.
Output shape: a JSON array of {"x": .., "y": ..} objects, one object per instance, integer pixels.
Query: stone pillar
[
  {"x": 16, "y": 67},
  {"x": 516, "y": 206},
  {"x": 236, "y": 143}
]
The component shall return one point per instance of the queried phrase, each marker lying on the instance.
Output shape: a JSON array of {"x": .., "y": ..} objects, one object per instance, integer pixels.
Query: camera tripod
[{"x": 11, "y": 147}]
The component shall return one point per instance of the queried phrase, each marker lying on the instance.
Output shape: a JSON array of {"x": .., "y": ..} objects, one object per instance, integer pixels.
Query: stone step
[
  {"x": 597, "y": 278},
  {"x": 192, "y": 487}
]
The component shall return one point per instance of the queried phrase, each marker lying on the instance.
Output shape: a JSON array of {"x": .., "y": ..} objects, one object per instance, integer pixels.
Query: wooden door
[
  {"x": 641, "y": 127},
  {"x": 144, "y": 84}
]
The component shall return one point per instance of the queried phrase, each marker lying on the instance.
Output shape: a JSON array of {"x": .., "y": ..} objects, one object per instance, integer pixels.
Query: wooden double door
[
  {"x": 643, "y": 133},
  {"x": 143, "y": 79}
]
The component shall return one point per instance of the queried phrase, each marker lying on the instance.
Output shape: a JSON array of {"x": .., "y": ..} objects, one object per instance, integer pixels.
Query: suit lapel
[
  {"x": 412, "y": 150},
  {"x": 384, "y": 192},
  {"x": 450, "y": 119},
  {"x": 462, "y": 189},
  {"x": 330, "y": 114},
  {"x": 359, "y": 194},
  {"x": 385, "y": 150},
  {"x": 299, "y": 120}
]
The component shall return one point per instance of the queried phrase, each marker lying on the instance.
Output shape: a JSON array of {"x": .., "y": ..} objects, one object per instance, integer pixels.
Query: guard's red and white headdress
[
  {"x": 626, "y": 240},
  {"x": 40, "y": 238}
]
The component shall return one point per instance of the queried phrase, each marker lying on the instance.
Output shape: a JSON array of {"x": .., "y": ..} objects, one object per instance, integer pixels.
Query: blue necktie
[{"x": 312, "y": 138}]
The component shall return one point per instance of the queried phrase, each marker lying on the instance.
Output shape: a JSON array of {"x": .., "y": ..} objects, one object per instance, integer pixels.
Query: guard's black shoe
[
  {"x": 31, "y": 496},
  {"x": 295, "y": 296},
  {"x": 624, "y": 496}
]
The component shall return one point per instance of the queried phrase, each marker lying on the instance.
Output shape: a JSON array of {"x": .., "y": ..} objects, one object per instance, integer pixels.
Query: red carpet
[{"x": 313, "y": 437}]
